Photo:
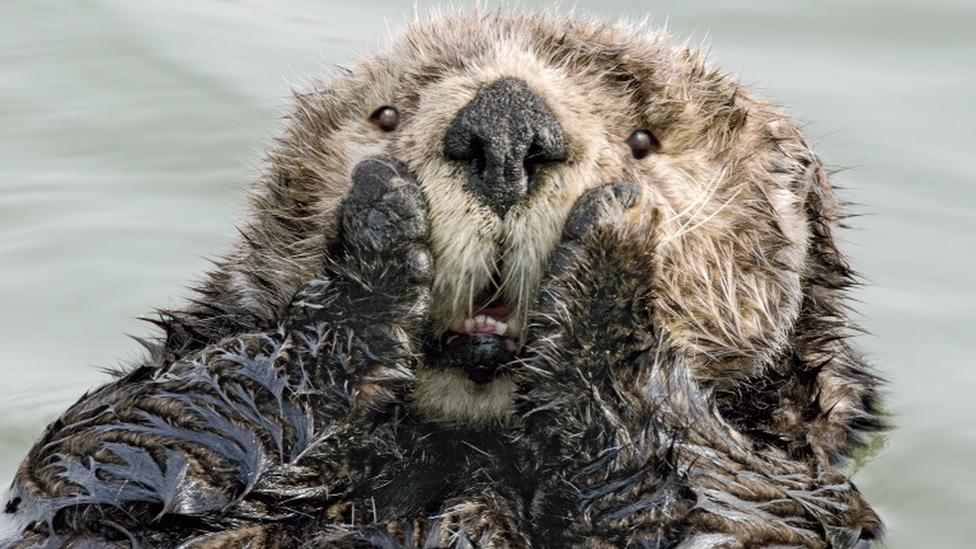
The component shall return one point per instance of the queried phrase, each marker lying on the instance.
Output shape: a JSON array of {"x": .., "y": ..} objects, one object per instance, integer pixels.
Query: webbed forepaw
[
  {"x": 598, "y": 281},
  {"x": 385, "y": 213},
  {"x": 367, "y": 312},
  {"x": 603, "y": 207}
]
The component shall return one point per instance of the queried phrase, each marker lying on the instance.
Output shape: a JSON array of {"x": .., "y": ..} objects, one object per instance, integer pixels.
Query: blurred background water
[{"x": 128, "y": 129}]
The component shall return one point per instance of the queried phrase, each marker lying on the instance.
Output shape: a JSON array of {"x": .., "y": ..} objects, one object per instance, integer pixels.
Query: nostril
[
  {"x": 478, "y": 158},
  {"x": 463, "y": 144},
  {"x": 534, "y": 159},
  {"x": 538, "y": 156}
]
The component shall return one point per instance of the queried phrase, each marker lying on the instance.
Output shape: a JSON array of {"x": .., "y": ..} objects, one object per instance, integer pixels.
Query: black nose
[{"x": 505, "y": 134}]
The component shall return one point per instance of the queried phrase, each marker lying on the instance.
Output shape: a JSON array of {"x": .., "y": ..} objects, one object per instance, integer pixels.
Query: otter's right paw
[
  {"x": 385, "y": 215},
  {"x": 368, "y": 312},
  {"x": 596, "y": 290},
  {"x": 386, "y": 256}
]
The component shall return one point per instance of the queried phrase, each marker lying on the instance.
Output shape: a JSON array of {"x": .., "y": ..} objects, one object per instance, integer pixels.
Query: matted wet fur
[{"x": 519, "y": 280}]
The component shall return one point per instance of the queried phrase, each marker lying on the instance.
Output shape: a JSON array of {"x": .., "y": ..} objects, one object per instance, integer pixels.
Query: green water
[{"x": 127, "y": 130}]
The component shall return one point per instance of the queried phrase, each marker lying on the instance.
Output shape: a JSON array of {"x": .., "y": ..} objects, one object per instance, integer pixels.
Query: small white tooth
[
  {"x": 490, "y": 321},
  {"x": 480, "y": 319},
  {"x": 469, "y": 325},
  {"x": 501, "y": 328}
]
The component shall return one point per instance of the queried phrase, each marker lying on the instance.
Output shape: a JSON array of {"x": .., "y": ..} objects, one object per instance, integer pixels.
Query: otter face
[
  {"x": 502, "y": 153},
  {"x": 506, "y": 122}
]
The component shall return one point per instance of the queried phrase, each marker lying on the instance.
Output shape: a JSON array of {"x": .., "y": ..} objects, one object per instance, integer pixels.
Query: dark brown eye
[
  {"x": 385, "y": 118},
  {"x": 642, "y": 144}
]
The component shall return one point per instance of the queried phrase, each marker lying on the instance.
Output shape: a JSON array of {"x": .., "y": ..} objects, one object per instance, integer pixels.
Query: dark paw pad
[
  {"x": 385, "y": 207},
  {"x": 602, "y": 207}
]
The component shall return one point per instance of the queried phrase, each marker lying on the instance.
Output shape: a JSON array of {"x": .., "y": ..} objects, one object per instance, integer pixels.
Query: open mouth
[{"x": 482, "y": 346}]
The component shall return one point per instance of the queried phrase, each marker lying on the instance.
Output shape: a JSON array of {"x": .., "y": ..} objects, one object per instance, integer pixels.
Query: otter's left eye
[
  {"x": 385, "y": 118},
  {"x": 642, "y": 144}
]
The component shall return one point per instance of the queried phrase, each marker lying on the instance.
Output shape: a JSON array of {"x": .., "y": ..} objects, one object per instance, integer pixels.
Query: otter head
[{"x": 506, "y": 121}]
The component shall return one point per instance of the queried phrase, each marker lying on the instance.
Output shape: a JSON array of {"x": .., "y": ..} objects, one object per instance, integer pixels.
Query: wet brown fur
[{"x": 686, "y": 379}]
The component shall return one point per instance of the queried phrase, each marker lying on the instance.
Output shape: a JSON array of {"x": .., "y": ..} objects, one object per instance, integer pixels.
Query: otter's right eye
[
  {"x": 642, "y": 144},
  {"x": 385, "y": 118}
]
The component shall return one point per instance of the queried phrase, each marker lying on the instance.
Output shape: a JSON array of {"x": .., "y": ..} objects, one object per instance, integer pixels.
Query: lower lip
[{"x": 479, "y": 356}]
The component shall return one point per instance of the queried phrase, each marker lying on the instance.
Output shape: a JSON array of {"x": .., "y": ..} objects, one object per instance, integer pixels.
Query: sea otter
[{"x": 517, "y": 281}]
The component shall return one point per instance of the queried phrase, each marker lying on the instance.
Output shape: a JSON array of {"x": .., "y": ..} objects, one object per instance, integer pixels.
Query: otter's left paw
[
  {"x": 593, "y": 317},
  {"x": 596, "y": 297},
  {"x": 603, "y": 208},
  {"x": 592, "y": 326}
]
